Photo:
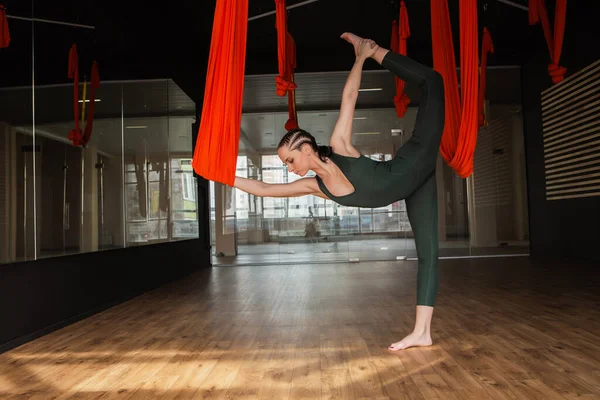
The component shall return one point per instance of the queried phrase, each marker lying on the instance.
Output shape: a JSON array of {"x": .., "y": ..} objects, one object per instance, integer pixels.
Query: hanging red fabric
[
  {"x": 4, "y": 33},
  {"x": 292, "y": 122},
  {"x": 215, "y": 155},
  {"x": 286, "y": 57},
  {"x": 487, "y": 46},
  {"x": 461, "y": 126},
  {"x": 76, "y": 136},
  {"x": 399, "y": 36},
  {"x": 538, "y": 13}
]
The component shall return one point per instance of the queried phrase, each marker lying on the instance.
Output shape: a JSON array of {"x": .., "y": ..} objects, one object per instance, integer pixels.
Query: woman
[{"x": 350, "y": 179}]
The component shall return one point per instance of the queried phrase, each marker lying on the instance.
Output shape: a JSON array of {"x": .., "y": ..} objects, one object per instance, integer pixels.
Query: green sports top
[{"x": 376, "y": 183}]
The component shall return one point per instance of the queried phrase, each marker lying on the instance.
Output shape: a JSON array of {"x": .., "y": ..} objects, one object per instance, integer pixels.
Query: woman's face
[{"x": 297, "y": 161}]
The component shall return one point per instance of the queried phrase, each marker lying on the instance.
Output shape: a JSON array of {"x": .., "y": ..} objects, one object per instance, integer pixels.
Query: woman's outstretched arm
[
  {"x": 342, "y": 132},
  {"x": 341, "y": 138},
  {"x": 301, "y": 187}
]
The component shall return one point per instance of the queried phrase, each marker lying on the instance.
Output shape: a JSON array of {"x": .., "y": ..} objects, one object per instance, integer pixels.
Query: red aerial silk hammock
[
  {"x": 538, "y": 13},
  {"x": 461, "y": 126},
  {"x": 215, "y": 155},
  {"x": 286, "y": 56},
  {"x": 399, "y": 36},
  {"x": 487, "y": 46},
  {"x": 76, "y": 136},
  {"x": 4, "y": 33}
]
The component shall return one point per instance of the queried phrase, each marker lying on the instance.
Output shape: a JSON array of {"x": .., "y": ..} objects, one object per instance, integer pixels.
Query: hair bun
[{"x": 325, "y": 151}]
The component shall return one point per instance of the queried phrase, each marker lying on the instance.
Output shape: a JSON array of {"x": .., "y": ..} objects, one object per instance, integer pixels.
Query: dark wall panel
[
  {"x": 40, "y": 296},
  {"x": 567, "y": 228}
]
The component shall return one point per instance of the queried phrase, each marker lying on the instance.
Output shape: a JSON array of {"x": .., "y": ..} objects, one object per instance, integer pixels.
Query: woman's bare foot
[
  {"x": 378, "y": 54},
  {"x": 351, "y": 38},
  {"x": 421, "y": 334},
  {"x": 415, "y": 339}
]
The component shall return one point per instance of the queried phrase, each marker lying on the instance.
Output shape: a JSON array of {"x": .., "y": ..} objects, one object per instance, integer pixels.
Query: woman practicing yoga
[{"x": 351, "y": 179}]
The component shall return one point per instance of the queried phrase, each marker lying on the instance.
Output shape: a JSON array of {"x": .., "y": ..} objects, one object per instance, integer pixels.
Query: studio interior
[{"x": 134, "y": 265}]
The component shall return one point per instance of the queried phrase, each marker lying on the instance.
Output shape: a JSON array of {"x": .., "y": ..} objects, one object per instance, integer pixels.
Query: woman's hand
[{"x": 365, "y": 48}]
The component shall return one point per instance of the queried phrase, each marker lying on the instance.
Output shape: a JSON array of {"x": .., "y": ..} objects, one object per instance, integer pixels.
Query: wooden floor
[{"x": 503, "y": 329}]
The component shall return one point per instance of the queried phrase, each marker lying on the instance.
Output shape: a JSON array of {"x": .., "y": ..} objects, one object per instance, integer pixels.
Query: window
[
  {"x": 188, "y": 186},
  {"x": 184, "y": 207},
  {"x": 274, "y": 171},
  {"x": 146, "y": 200}
]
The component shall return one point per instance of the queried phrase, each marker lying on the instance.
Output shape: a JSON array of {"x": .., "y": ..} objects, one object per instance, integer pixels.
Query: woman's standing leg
[{"x": 422, "y": 208}]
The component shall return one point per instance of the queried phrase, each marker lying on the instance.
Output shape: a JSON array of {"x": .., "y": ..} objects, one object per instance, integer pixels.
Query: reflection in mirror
[
  {"x": 19, "y": 170},
  {"x": 184, "y": 192},
  {"x": 89, "y": 161},
  {"x": 107, "y": 178},
  {"x": 77, "y": 126},
  {"x": 160, "y": 187}
]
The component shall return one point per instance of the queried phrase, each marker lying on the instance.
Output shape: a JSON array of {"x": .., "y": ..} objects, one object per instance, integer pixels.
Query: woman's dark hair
[{"x": 296, "y": 138}]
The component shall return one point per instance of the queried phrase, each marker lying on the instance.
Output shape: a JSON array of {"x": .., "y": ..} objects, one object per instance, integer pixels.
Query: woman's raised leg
[{"x": 423, "y": 147}]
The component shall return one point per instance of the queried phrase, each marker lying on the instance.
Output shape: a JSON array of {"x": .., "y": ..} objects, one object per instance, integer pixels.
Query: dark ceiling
[
  {"x": 138, "y": 40},
  {"x": 316, "y": 28}
]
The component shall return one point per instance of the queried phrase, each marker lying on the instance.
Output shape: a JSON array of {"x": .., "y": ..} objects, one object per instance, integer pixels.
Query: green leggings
[
  {"x": 422, "y": 211},
  {"x": 421, "y": 150}
]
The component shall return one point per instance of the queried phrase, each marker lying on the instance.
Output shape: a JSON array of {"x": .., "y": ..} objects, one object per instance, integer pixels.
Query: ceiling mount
[
  {"x": 514, "y": 4},
  {"x": 48, "y": 21},
  {"x": 303, "y": 3}
]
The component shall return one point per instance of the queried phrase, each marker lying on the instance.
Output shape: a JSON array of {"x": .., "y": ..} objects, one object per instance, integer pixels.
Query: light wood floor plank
[{"x": 502, "y": 329}]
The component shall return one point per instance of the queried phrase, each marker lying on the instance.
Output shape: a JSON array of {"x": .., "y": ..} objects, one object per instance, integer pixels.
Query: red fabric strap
[
  {"x": 281, "y": 26},
  {"x": 283, "y": 85},
  {"x": 283, "y": 81},
  {"x": 399, "y": 36},
  {"x": 538, "y": 13},
  {"x": 286, "y": 57},
  {"x": 460, "y": 130},
  {"x": 76, "y": 136},
  {"x": 215, "y": 155},
  {"x": 4, "y": 33}
]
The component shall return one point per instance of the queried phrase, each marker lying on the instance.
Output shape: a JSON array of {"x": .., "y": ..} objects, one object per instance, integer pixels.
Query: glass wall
[
  {"x": 483, "y": 215},
  {"x": 89, "y": 161},
  {"x": 19, "y": 152}
]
